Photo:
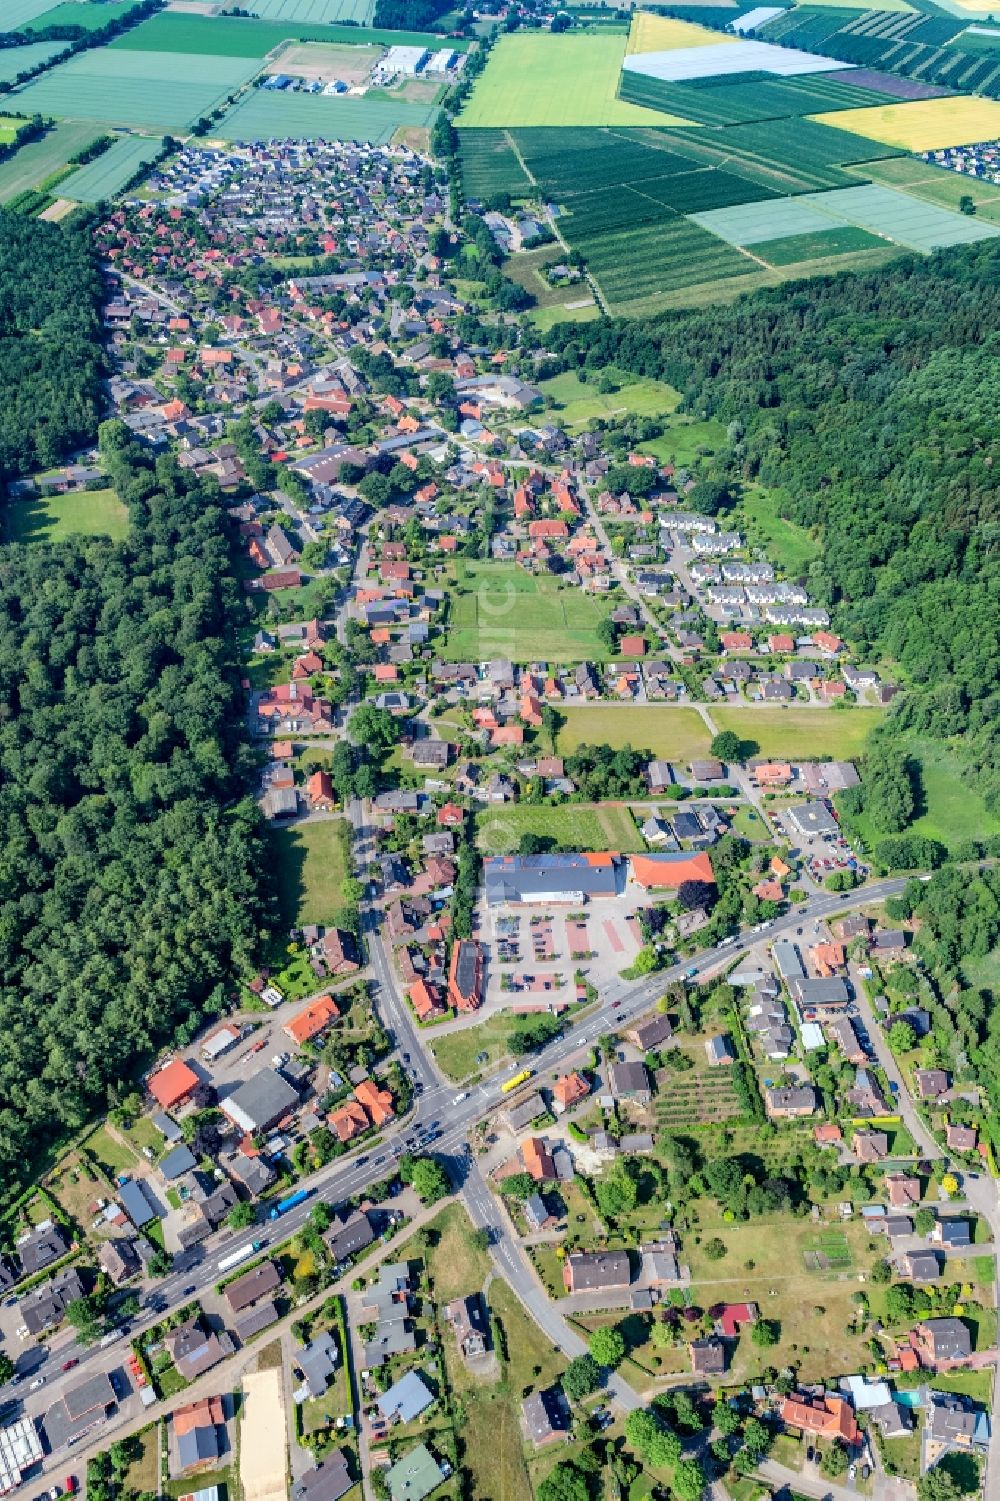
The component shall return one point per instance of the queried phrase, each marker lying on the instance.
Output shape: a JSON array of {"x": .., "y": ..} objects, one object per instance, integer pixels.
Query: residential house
[
  {"x": 330, "y": 1480},
  {"x": 194, "y": 1350},
  {"x": 198, "y": 1428},
  {"x": 568, "y": 1091},
  {"x": 708, "y": 1357},
  {"x": 469, "y": 1325},
  {"x": 941, "y": 1342},
  {"x": 786, "y": 1101},
  {"x": 827, "y": 1417},
  {"x": 597, "y": 1271},
  {"x": 545, "y": 1416}
]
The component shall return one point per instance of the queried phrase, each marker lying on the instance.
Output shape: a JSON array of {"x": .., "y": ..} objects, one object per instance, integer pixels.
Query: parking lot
[{"x": 536, "y": 951}]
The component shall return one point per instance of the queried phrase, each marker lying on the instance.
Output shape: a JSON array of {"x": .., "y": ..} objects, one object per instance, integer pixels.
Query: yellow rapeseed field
[
  {"x": 651, "y": 33},
  {"x": 922, "y": 124}
]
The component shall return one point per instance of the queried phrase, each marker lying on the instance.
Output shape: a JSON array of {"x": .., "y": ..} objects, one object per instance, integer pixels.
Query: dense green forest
[
  {"x": 51, "y": 359},
  {"x": 129, "y": 858},
  {"x": 869, "y": 403}
]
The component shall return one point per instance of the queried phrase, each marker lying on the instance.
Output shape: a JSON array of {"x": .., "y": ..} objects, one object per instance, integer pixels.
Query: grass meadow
[
  {"x": 576, "y": 401},
  {"x": 497, "y": 609},
  {"x": 669, "y": 734},
  {"x": 575, "y": 826},
  {"x": 805, "y": 733},
  {"x": 47, "y": 519},
  {"x": 310, "y": 871}
]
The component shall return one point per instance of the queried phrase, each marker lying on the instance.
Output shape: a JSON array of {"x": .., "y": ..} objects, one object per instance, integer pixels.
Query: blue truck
[{"x": 284, "y": 1205}]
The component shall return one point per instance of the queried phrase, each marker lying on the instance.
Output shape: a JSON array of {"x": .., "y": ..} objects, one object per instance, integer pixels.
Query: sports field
[
  {"x": 17, "y": 60},
  {"x": 39, "y": 159},
  {"x": 840, "y": 733},
  {"x": 101, "y": 179},
  {"x": 89, "y": 14},
  {"x": 90, "y": 513},
  {"x": 263, "y": 116},
  {"x": 598, "y": 826},
  {"x": 499, "y": 610},
  {"x": 668, "y": 734},
  {"x": 649, "y": 33},
  {"x": 136, "y": 88},
  {"x": 533, "y": 78},
  {"x": 924, "y": 124}
]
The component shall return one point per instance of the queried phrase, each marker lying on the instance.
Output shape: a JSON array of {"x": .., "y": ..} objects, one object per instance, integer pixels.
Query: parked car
[
  {"x": 38, "y": 1381},
  {"x": 69, "y": 1364}
]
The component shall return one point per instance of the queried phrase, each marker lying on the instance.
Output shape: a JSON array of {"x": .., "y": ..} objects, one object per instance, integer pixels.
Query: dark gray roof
[
  {"x": 180, "y": 1160},
  {"x": 327, "y": 1482},
  {"x": 263, "y": 1099},
  {"x": 545, "y": 1413},
  {"x": 135, "y": 1203},
  {"x": 197, "y": 1446},
  {"x": 354, "y": 1234},
  {"x": 518, "y": 878}
]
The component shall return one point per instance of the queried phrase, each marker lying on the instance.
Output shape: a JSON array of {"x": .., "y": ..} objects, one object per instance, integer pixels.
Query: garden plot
[
  {"x": 136, "y": 88},
  {"x": 113, "y": 170},
  {"x": 266, "y": 116},
  {"x": 730, "y": 56},
  {"x": 925, "y": 124}
]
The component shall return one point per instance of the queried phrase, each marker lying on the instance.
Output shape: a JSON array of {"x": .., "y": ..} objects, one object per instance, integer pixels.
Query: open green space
[
  {"x": 545, "y": 317},
  {"x": 374, "y": 118},
  {"x": 309, "y": 871},
  {"x": 17, "y": 60},
  {"x": 572, "y": 826},
  {"x": 535, "y": 78},
  {"x": 91, "y": 16},
  {"x": 952, "y": 809},
  {"x": 456, "y": 1265},
  {"x": 113, "y": 170},
  {"x": 110, "y": 1153},
  {"x": 500, "y": 610},
  {"x": 9, "y": 128},
  {"x": 45, "y": 519},
  {"x": 810, "y": 733},
  {"x": 983, "y": 973},
  {"x": 685, "y": 439},
  {"x": 576, "y": 401},
  {"x": 136, "y": 88},
  {"x": 669, "y": 734},
  {"x": 471, "y": 1050},
  {"x": 790, "y": 546},
  {"x": 39, "y": 159},
  {"x": 360, "y": 12},
  {"x": 794, "y": 249},
  {"x": 935, "y": 184}
]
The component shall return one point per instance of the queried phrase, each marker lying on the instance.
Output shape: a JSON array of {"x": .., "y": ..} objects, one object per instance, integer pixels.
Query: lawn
[
  {"x": 806, "y": 733},
  {"x": 978, "y": 1385},
  {"x": 790, "y": 546},
  {"x": 685, "y": 439},
  {"x": 46, "y": 519},
  {"x": 499, "y": 610},
  {"x": 39, "y": 159},
  {"x": 922, "y": 124},
  {"x": 310, "y": 872},
  {"x": 748, "y": 822},
  {"x": 112, "y": 1154},
  {"x": 669, "y": 734},
  {"x": 544, "y": 317},
  {"x": 143, "y": 1477},
  {"x": 526, "y": 1344},
  {"x": 458, "y": 1053},
  {"x": 574, "y": 826},
  {"x": 455, "y": 1264},
  {"x": 576, "y": 402},
  {"x": 536, "y": 79}
]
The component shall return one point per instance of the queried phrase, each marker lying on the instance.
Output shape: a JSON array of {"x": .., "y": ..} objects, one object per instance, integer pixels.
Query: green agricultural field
[
  {"x": 636, "y": 268},
  {"x": 89, "y": 513},
  {"x": 917, "y": 225},
  {"x": 669, "y": 734},
  {"x": 374, "y": 118},
  {"x": 736, "y": 103},
  {"x": 90, "y": 15},
  {"x": 310, "y": 872},
  {"x": 315, "y": 11},
  {"x": 534, "y": 78},
  {"x": 789, "y": 545},
  {"x": 797, "y": 249},
  {"x": 237, "y": 36},
  {"x": 573, "y": 826},
  {"x": 18, "y": 13},
  {"x": 576, "y": 402},
  {"x": 37, "y": 161},
  {"x": 499, "y": 610},
  {"x": 936, "y": 184},
  {"x": 806, "y": 733},
  {"x": 136, "y": 88},
  {"x": 491, "y": 165},
  {"x": 17, "y": 60},
  {"x": 102, "y": 178}
]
